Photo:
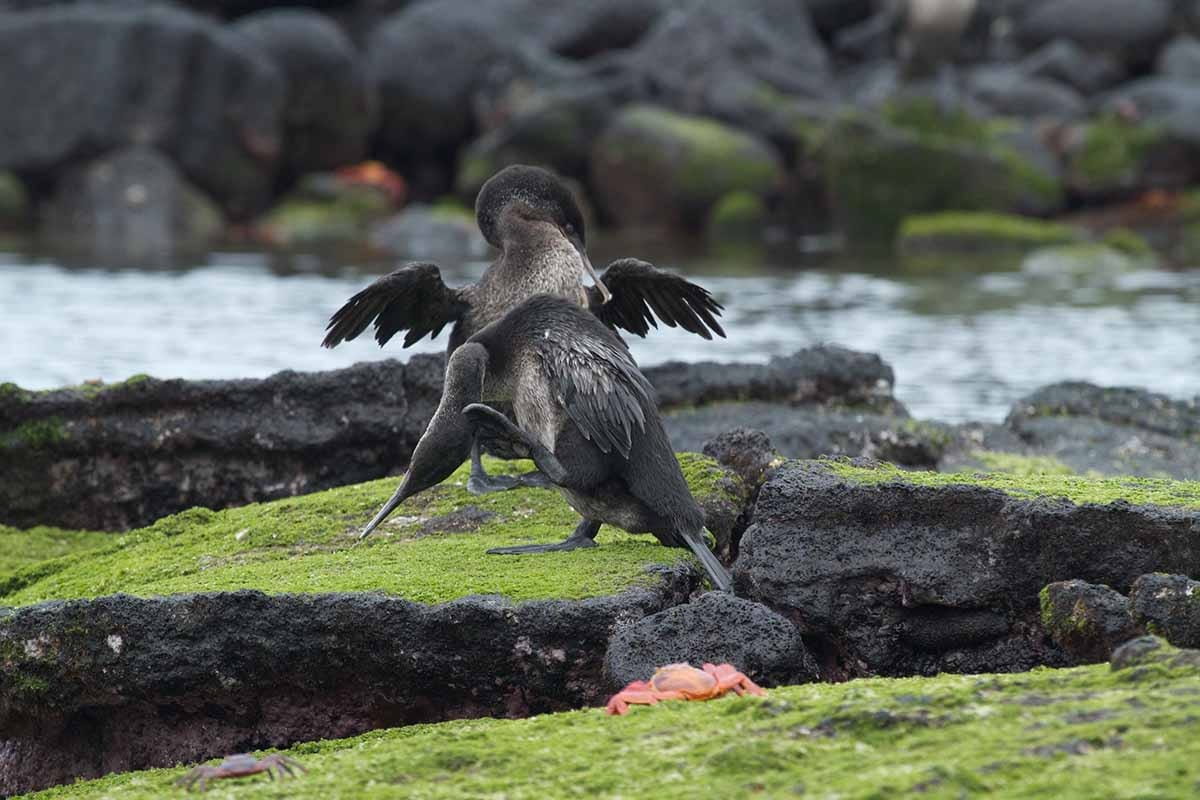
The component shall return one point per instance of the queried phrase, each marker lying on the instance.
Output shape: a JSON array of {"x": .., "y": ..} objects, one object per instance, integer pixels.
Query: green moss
[
  {"x": 737, "y": 217},
  {"x": 1075, "y": 488},
  {"x": 1111, "y": 153},
  {"x": 14, "y": 202},
  {"x": 1076, "y": 733},
  {"x": 1128, "y": 242},
  {"x": 917, "y": 159},
  {"x": 1019, "y": 465},
  {"x": 431, "y": 549},
  {"x": 20, "y": 548},
  {"x": 37, "y": 434},
  {"x": 304, "y": 218},
  {"x": 971, "y": 231}
]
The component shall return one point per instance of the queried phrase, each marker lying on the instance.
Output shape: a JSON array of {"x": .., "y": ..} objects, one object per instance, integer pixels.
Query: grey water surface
[{"x": 964, "y": 346}]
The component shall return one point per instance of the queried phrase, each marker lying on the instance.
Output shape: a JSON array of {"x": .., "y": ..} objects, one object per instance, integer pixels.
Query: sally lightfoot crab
[
  {"x": 276, "y": 765},
  {"x": 683, "y": 682}
]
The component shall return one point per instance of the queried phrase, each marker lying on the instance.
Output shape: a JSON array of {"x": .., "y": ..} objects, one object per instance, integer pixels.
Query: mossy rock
[
  {"x": 14, "y": 202},
  {"x": 21, "y": 548},
  {"x": 322, "y": 211},
  {"x": 431, "y": 550},
  {"x": 1110, "y": 155},
  {"x": 880, "y": 171},
  {"x": 1084, "y": 259},
  {"x": 738, "y": 218},
  {"x": 654, "y": 167},
  {"x": 980, "y": 231},
  {"x": 1068, "y": 733}
]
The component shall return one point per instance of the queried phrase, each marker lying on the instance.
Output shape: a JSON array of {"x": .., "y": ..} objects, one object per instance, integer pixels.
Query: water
[{"x": 964, "y": 346}]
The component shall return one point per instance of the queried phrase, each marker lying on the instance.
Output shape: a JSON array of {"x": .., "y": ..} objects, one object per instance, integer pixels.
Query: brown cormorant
[
  {"x": 584, "y": 413},
  {"x": 530, "y": 216}
]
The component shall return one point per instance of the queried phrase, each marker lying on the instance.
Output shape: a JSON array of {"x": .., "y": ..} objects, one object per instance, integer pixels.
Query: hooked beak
[
  {"x": 605, "y": 294},
  {"x": 401, "y": 494}
]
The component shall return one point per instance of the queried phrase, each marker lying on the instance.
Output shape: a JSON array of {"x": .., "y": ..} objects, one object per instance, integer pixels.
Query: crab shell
[{"x": 683, "y": 682}]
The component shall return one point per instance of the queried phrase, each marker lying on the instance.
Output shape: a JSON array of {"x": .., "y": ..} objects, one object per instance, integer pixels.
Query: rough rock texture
[
  {"x": 79, "y": 79},
  {"x": 128, "y": 207},
  {"x": 121, "y": 456},
  {"x": 896, "y": 578},
  {"x": 121, "y": 683},
  {"x": 1086, "y": 620},
  {"x": 1097, "y": 23},
  {"x": 1168, "y": 606},
  {"x": 717, "y": 628},
  {"x": 1113, "y": 430},
  {"x": 329, "y": 111},
  {"x": 746, "y": 451}
]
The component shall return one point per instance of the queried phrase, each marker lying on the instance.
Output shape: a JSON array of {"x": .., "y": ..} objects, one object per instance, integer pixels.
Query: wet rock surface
[
  {"x": 896, "y": 578},
  {"x": 1168, "y": 606},
  {"x": 121, "y": 683},
  {"x": 1113, "y": 430},
  {"x": 1086, "y": 620},
  {"x": 717, "y": 628}
]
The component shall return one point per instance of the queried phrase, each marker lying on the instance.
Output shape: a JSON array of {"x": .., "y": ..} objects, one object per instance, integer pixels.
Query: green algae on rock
[
  {"x": 21, "y": 548},
  {"x": 1071, "y": 733},
  {"x": 1080, "y": 490},
  {"x": 658, "y": 167},
  {"x": 431, "y": 550},
  {"x": 979, "y": 232}
]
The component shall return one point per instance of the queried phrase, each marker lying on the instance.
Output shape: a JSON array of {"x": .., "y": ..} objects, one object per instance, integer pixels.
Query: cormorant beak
[
  {"x": 605, "y": 294},
  {"x": 401, "y": 494}
]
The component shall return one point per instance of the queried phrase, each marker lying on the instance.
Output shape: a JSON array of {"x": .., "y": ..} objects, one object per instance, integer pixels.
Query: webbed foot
[
  {"x": 482, "y": 483},
  {"x": 584, "y": 535}
]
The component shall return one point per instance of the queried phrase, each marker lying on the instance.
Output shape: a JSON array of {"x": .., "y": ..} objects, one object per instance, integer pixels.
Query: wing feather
[
  {"x": 412, "y": 298},
  {"x": 641, "y": 292}
]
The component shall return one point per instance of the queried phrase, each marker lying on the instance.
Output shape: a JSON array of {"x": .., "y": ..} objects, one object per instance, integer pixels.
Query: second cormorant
[{"x": 584, "y": 413}]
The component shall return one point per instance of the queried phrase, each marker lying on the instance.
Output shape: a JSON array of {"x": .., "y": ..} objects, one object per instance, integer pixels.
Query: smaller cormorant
[
  {"x": 530, "y": 216},
  {"x": 584, "y": 413}
]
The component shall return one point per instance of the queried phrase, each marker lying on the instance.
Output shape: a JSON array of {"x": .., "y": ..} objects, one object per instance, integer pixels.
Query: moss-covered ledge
[
  {"x": 1071, "y": 733},
  {"x": 904, "y": 573},
  {"x": 269, "y": 624}
]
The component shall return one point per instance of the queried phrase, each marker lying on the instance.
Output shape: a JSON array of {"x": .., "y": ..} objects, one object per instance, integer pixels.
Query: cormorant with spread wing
[
  {"x": 584, "y": 413},
  {"x": 531, "y": 217}
]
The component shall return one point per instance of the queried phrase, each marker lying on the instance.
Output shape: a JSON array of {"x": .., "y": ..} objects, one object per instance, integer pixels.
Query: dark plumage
[
  {"x": 531, "y": 217},
  {"x": 583, "y": 412}
]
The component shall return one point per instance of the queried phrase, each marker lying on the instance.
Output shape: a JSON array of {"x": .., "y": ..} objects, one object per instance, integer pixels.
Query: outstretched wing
[
  {"x": 412, "y": 298},
  {"x": 599, "y": 386},
  {"x": 640, "y": 291}
]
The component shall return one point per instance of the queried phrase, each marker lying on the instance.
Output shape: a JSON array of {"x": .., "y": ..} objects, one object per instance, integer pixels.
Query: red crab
[
  {"x": 276, "y": 765},
  {"x": 683, "y": 682}
]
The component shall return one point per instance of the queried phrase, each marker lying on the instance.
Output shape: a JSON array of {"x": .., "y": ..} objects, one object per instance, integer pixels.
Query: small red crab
[
  {"x": 683, "y": 682},
  {"x": 276, "y": 765}
]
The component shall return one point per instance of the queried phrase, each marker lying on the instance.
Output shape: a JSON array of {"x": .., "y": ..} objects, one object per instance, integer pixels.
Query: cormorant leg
[
  {"x": 479, "y": 482},
  {"x": 499, "y": 427},
  {"x": 584, "y": 535}
]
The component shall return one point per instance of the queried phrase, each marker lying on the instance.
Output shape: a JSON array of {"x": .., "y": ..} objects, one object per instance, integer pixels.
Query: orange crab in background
[{"x": 683, "y": 682}]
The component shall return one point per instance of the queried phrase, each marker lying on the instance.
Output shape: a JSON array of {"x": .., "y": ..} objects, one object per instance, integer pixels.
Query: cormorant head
[{"x": 520, "y": 200}]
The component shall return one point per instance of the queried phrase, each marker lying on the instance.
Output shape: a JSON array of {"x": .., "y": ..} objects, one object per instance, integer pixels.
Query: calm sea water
[{"x": 964, "y": 346}]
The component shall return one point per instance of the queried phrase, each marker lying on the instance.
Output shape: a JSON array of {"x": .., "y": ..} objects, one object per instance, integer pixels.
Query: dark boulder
[
  {"x": 441, "y": 68},
  {"x": 1170, "y": 103},
  {"x": 121, "y": 683},
  {"x": 121, "y": 456},
  {"x": 1113, "y": 430},
  {"x": 892, "y": 577},
  {"x": 1168, "y": 606},
  {"x": 1009, "y": 91},
  {"x": 1097, "y": 24},
  {"x": 1067, "y": 62},
  {"x": 79, "y": 80},
  {"x": 1086, "y": 620},
  {"x": 1180, "y": 58},
  {"x": 715, "y": 627},
  {"x": 746, "y": 451},
  {"x": 1140, "y": 656},
  {"x": 329, "y": 111},
  {"x": 126, "y": 208}
]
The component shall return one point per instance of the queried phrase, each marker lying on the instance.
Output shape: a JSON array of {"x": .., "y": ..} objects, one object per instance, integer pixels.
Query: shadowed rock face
[
  {"x": 122, "y": 456},
  {"x": 895, "y": 578},
  {"x": 1169, "y": 606},
  {"x": 121, "y": 683},
  {"x": 1086, "y": 620},
  {"x": 128, "y": 454}
]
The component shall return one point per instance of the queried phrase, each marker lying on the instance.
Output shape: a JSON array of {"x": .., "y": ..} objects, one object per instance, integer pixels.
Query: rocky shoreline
[{"x": 748, "y": 124}]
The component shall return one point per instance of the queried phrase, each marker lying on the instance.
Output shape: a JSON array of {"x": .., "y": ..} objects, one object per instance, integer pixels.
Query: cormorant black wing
[
  {"x": 640, "y": 291},
  {"x": 413, "y": 298},
  {"x": 599, "y": 386}
]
